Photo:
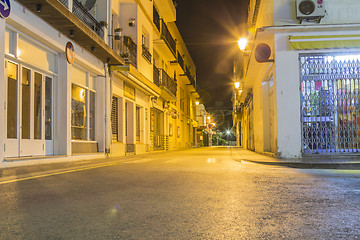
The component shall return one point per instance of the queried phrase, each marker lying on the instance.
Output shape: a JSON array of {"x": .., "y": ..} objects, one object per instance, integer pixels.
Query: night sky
[{"x": 210, "y": 29}]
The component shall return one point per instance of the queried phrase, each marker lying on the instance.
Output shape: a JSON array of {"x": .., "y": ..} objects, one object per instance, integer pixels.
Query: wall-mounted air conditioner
[{"x": 310, "y": 10}]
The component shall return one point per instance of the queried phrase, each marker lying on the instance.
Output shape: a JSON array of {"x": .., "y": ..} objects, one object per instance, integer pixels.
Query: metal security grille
[
  {"x": 157, "y": 128},
  {"x": 330, "y": 106},
  {"x": 114, "y": 118}
]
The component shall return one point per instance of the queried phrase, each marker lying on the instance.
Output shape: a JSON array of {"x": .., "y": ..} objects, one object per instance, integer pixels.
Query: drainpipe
[{"x": 108, "y": 96}]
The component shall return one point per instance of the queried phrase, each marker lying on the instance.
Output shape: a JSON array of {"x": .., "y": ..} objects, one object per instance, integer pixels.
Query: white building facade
[
  {"x": 304, "y": 100},
  {"x": 70, "y": 87}
]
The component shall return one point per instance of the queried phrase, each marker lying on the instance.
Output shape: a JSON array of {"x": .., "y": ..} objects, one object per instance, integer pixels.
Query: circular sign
[
  {"x": 4, "y": 8},
  {"x": 70, "y": 52},
  {"x": 262, "y": 52}
]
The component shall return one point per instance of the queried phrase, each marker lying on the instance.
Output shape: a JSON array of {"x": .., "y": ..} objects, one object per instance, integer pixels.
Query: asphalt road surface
[{"x": 193, "y": 194}]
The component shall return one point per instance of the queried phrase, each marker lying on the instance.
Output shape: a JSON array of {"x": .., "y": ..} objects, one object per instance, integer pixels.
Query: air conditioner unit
[{"x": 310, "y": 9}]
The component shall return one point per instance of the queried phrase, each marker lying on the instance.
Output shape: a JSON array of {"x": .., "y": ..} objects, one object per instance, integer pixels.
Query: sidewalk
[{"x": 318, "y": 162}]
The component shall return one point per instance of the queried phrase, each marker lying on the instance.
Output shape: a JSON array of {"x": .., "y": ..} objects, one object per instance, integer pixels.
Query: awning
[{"x": 325, "y": 41}]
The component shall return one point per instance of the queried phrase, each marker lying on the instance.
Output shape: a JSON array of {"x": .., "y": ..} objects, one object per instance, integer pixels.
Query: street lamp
[
  {"x": 237, "y": 85},
  {"x": 227, "y": 136},
  {"x": 242, "y": 42}
]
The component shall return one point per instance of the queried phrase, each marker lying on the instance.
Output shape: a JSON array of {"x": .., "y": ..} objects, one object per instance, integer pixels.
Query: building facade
[
  {"x": 80, "y": 77},
  {"x": 302, "y": 100}
]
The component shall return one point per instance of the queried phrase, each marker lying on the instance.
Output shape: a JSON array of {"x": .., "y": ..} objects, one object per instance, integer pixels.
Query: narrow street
[{"x": 206, "y": 193}]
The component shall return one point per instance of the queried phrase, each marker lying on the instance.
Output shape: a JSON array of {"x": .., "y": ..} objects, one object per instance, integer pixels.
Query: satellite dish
[{"x": 89, "y": 4}]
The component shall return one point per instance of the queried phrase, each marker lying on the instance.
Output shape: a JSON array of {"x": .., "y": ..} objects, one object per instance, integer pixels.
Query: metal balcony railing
[
  {"x": 180, "y": 60},
  {"x": 156, "y": 76},
  {"x": 126, "y": 48},
  {"x": 156, "y": 18},
  {"x": 191, "y": 78},
  {"x": 168, "y": 83},
  {"x": 166, "y": 35},
  {"x": 65, "y": 2},
  {"x": 146, "y": 53},
  {"x": 87, "y": 18}
]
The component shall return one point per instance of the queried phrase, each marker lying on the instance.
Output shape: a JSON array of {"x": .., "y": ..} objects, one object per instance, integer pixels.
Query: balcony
[
  {"x": 166, "y": 36},
  {"x": 167, "y": 83},
  {"x": 156, "y": 18},
  {"x": 79, "y": 26},
  {"x": 146, "y": 53},
  {"x": 180, "y": 60},
  {"x": 156, "y": 76},
  {"x": 191, "y": 78},
  {"x": 179, "y": 64},
  {"x": 166, "y": 9},
  {"x": 127, "y": 49},
  {"x": 87, "y": 18}
]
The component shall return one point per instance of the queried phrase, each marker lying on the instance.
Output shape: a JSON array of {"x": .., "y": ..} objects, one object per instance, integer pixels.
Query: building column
[
  {"x": 108, "y": 97},
  {"x": 62, "y": 144},
  {"x": 2, "y": 84}
]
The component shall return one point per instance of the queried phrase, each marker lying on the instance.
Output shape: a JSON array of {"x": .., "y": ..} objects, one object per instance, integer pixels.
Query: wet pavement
[{"x": 207, "y": 193}]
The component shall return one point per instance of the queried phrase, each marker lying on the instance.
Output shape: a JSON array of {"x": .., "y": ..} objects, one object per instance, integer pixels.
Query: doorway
[{"x": 29, "y": 112}]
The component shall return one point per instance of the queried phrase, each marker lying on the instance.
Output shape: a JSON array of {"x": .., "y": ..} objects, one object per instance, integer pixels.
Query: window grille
[{"x": 114, "y": 118}]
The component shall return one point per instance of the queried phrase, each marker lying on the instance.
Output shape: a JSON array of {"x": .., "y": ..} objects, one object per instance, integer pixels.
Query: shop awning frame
[{"x": 324, "y": 42}]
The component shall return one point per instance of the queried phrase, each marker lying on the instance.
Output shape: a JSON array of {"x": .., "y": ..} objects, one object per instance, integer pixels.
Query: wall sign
[
  {"x": 5, "y": 8},
  {"x": 70, "y": 52}
]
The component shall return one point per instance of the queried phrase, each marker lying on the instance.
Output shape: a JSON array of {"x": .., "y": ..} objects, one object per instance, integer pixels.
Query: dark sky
[{"x": 210, "y": 29}]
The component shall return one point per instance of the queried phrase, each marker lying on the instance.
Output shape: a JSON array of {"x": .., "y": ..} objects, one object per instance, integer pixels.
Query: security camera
[{"x": 131, "y": 22}]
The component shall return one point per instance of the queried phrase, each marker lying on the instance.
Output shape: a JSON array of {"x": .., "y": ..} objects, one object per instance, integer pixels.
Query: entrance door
[{"x": 26, "y": 109}]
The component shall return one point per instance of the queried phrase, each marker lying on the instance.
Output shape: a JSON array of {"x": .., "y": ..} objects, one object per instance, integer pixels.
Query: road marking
[
  {"x": 140, "y": 160},
  {"x": 58, "y": 173}
]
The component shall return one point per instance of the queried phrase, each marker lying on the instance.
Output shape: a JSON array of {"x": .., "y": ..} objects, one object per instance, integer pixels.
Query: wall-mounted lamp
[
  {"x": 153, "y": 99},
  {"x": 131, "y": 22},
  {"x": 72, "y": 32},
  {"x": 166, "y": 104},
  {"x": 197, "y": 103}
]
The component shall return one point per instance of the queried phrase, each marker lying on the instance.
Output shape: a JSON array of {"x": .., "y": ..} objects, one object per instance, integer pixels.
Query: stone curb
[{"x": 302, "y": 165}]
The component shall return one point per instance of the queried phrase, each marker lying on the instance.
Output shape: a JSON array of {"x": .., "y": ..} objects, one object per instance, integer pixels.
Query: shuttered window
[
  {"x": 138, "y": 124},
  {"x": 114, "y": 118}
]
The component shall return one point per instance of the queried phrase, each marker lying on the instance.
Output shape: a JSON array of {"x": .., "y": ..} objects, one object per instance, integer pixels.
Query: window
[
  {"x": 48, "y": 108},
  {"x": 138, "y": 124},
  {"x": 26, "y": 93},
  {"x": 12, "y": 100},
  {"x": 37, "y": 106},
  {"x": 82, "y": 113},
  {"x": 9, "y": 42},
  {"x": 182, "y": 99}
]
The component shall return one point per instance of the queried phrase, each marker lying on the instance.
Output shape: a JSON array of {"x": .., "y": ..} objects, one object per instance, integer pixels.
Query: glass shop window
[{"x": 82, "y": 113}]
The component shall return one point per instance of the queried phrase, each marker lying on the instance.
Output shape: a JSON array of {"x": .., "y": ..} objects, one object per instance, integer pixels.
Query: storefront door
[
  {"x": 330, "y": 103},
  {"x": 28, "y": 112}
]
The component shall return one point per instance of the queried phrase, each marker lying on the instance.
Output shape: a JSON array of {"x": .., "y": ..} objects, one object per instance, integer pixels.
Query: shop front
[
  {"x": 28, "y": 95},
  {"x": 330, "y": 104}
]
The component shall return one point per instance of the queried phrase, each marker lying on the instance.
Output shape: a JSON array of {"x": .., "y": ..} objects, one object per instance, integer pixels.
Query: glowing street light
[
  {"x": 242, "y": 42},
  {"x": 237, "y": 85}
]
